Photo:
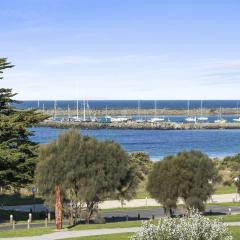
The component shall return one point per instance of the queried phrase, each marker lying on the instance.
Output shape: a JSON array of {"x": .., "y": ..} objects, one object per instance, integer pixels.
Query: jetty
[{"x": 140, "y": 125}]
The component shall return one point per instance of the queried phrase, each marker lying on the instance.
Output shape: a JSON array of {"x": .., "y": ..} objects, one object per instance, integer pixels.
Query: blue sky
[{"x": 122, "y": 49}]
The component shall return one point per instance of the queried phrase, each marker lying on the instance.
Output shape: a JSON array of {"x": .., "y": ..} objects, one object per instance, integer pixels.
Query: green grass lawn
[
  {"x": 125, "y": 236},
  {"x": 227, "y": 218},
  {"x": 225, "y": 204},
  {"x": 122, "y": 236},
  {"x": 128, "y": 208},
  {"x": 25, "y": 232},
  {"x": 107, "y": 225},
  {"x": 235, "y": 232},
  {"x": 225, "y": 189}
]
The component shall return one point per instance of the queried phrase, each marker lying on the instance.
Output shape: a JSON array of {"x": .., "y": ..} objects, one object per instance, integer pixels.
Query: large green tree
[
  {"x": 88, "y": 171},
  {"x": 17, "y": 152},
  {"x": 188, "y": 175}
]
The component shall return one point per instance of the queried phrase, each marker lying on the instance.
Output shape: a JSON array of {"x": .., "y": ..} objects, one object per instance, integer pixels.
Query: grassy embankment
[{"x": 125, "y": 236}]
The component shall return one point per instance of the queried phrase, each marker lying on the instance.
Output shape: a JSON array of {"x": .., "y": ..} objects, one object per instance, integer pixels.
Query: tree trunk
[{"x": 58, "y": 208}]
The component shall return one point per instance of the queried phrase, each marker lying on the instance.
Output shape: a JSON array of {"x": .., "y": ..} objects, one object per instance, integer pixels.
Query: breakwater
[
  {"x": 142, "y": 125},
  {"x": 142, "y": 112}
]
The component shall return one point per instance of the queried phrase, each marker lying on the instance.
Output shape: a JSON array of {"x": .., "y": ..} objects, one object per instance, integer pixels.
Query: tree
[
  {"x": 88, "y": 171},
  {"x": 188, "y": 175},
  {"x": 17, "y": 152},
  {"x": 139, "y": 166}
]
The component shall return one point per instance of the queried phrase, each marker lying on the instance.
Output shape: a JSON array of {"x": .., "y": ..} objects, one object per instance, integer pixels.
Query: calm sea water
[
  {"x": 120, "y": 104},
  {"x": 160, "y": 143}
]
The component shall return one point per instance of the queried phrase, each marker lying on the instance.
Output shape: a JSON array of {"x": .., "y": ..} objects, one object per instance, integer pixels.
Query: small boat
[
  {"x": 220, "y": 121},
  {"x": 238, "y": 118},
  {"x": 155, "y": 118},
  {"x": 139, "y": 119},
  {"x": 220, "y": 118},
  {"x": 202, "y": 118},
  {"x": 119, "y": 119},
  {"x": 190, "y": 119}
]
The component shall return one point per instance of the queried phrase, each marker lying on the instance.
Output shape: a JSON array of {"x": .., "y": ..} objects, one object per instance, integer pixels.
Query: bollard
[
  {"x": 11, "y": 219},
  {"x": 28, "y": 224},
  {"x": 146, "y": 201},
  {"x": 49, "y": 216},
  {"x": 139, "y": 216},
  {"x": 46, "y": 222},
  {"x": 153, "y": 217},
  {"x": 126, "y": 217},
  {"x": 30, "y": 217},
  {"x": 13, "y": 225},
  {"x": 229, "y": 211}
]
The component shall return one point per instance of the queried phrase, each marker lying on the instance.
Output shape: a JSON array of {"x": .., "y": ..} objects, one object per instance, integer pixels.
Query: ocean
[
  {"x": 130, "y": 104},
  {"x": 159, "y": 143}
]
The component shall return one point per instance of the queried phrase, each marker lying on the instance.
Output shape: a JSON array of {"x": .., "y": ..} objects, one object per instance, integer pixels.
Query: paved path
[
  {"x": 85, "y": 233},
  {"x": 219, "y": 198},
  {"x": 71, "y": 234}
]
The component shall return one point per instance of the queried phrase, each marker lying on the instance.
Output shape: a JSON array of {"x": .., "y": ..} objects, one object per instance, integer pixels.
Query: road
[{"x": 123, "y": 215}]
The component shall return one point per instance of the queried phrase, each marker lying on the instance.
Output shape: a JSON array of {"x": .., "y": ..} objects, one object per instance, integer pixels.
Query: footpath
[
  {"x": 218, "y": 198},
  {"x": 85, "y": 233}
]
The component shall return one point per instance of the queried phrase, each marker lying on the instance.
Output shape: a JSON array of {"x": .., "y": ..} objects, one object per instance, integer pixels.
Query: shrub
[{"x": 192, "y": 227}]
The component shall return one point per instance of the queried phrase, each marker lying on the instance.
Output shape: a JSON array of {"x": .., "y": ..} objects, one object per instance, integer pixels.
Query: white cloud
[{"x": 97, "y": 60}]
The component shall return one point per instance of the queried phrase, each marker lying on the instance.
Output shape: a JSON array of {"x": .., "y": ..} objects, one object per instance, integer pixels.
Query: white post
[
  {"x": 11, "y": 219},
  {"x": 13, "y": 225},
  {"x": 146, "y": 201},
  {"x": 28, "y": 224},
  {"x": 49, "y": 216},
  {"x": 46, "y": 222},
  {"x": 30, "y": 217}
]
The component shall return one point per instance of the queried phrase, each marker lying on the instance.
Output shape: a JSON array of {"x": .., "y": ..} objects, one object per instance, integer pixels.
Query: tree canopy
[
  {"x": 188, "y": 175},
  {"x": 88, "y": 171},
  {"x": 17, "y": 152}
]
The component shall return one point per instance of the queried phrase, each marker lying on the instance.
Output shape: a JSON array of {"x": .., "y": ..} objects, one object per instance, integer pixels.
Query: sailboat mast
[
  {"x": 237, "y": 110},
  {"x": 68, "y": 112},
  {"x": 155, "y": 107},
  {"x": 84, "y": 111},
  {"x": 138, "y": 109},
  {"x": 55, "y": 109},
  {"x": 201, "y": 108},
  {"x": 77, "y": 109}
]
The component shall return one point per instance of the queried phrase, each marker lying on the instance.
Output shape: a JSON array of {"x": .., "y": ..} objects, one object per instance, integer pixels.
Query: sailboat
[
  {"x": 155, "y": 118},
  {"x": 139, "y": 120},
  {"x": 55, "y": 110},
  {"x": 202, "y": 118},
  {"x": 220, "y": 119},
  {"x": 76, "y": 118},
  {"x": 238, "y": 118},
  {"x": 189, "y": 118},
  {"x": 108, "y": 118}
]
